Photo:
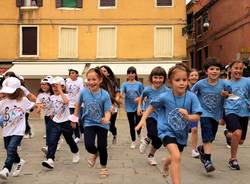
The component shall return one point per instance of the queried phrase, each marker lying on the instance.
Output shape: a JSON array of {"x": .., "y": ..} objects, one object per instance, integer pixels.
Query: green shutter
[{"x": 69, "y": 3}]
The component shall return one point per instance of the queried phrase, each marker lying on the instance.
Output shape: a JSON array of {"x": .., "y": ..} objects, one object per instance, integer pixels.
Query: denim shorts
[{"x": 209, "y": 127}]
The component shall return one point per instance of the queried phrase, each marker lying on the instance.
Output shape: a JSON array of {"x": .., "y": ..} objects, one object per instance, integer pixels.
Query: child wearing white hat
[{"x": 13, "y": 108}]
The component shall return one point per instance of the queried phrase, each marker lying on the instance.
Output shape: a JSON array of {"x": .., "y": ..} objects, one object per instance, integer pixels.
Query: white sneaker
[
  {"x": 152, "y": 161},
  {"x": 76, "y": 157},
  {"x": 4, "y": 173},
  {"x": 77, "y": 140},
  {"x": 195, "y": 153},
  {"x": 133, "y": 145},
  {"x": 18, "y": 168},
  {"x": 48, "y": 163},
  {"x": 44, "y": 150},
  {"x": 144, "y": 144},
  {"x": 59, "y": 145}
]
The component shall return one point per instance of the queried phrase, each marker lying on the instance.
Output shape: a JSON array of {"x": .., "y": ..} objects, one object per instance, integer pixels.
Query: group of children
[{"x": 169, "y": 112}]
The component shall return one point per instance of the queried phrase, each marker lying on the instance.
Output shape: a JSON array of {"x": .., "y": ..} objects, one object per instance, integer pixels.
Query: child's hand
[
  {"x": 139, "y": 111},
  {"x": 140, "y": 124},
  {"x": 73, "y": 124},
  {"x": 105, "y": 121},
  {"x": 184, "y": 113}
]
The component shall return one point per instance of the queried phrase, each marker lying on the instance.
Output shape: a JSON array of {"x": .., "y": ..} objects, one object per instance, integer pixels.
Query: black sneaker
[
  {"x": 202, "y": 155},
  {"x": 228, "y": 140},
  {"x": 209, "y": 166},
  {"x": 233, "y": 164}
]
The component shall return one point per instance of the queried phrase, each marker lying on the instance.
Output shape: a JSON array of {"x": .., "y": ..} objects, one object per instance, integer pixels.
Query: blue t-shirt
[
  {"x": 210, "y": 97},
  {"x": 240, "y": 104},
  {"x": 94, "y": 106},
  {"x": 131, "y": 91},
  {"x": 170, "y": 121},
  {"x": 151, "y": 94}
]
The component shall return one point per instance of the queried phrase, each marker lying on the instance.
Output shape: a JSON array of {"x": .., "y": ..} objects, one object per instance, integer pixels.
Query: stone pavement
[{"x": 126, "y": 166}]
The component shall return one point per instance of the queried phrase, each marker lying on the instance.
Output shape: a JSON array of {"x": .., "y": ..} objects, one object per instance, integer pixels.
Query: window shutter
[
  {"x": 79, "y": 3},
  {"x": 19, "y": 3},
  {"x": 39, "y": 3},
  {"x": 58, "y": 3}
]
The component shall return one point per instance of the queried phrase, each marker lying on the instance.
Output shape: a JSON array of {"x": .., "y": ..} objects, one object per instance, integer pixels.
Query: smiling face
[
  {"x": 179, "y": 82},
  {"x": 157, "y": 81},
  {"x": 193, "y": 77},
  {"x": 104, "y": 71},
  {"x": 236, "y": 70},
  {"x": 93, "y": 81},
  {"x": 45, "y": 87},
  {"x": 73, "y": 75},
  {"x": 213, "y": 72}
]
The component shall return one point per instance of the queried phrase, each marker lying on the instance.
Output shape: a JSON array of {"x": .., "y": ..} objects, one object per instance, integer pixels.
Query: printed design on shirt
[
  {"x": 93, "y": 111},
  {"x": 13, "y": 116},
  {"x": 73, "y": 91},
  {"x": 132, "y": 95},
  {"x": 239, "y": 103},
  {"x": 47, "y": 103},
  {"x": 210, "y": 100},
  {"x": 59, "y": 108},
  {"x": 177, "y": 123}
]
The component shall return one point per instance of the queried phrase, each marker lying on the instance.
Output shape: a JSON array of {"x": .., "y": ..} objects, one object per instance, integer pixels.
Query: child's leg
[
  {"x": 67, "y": 132},
  {"x": 153, "y": 135},
  {"x": 137, "y": 120},
  {"x": 89, "y": 139},
  {"x": 54, "y": 134},
  {"x": 113, "y": 129},
  {"x": 131, "y": 120},
  {"x": 102, "y": 134},
  {"x": 175, "y": 162},
  {"x": 10, "y": 144}
]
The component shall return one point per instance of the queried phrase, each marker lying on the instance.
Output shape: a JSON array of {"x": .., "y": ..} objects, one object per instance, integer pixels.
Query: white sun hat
[{"x": 10, "y": 85}]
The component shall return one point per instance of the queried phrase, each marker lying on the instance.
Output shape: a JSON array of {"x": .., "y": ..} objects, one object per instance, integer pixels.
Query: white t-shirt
[
  {"x": 73, "y": 90},
  {"x": 13, "y": 113},
  {"x": 61, "y": 110},
  {"x": 44, "y": 98}
]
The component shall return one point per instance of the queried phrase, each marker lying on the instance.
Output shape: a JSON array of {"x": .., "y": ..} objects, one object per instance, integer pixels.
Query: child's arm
[
  {"x": 139, "y": 110},
  {"x": 189, "y": 117},
  {"x": 106, "y": 118},
  {"x": 145, "y": 115},
  {"x": 64, "y": 97},
  {"x": 74, "y": 117}
]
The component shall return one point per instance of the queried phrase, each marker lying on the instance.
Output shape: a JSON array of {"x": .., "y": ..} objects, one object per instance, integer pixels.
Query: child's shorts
[
  {"x": 172, "y": 140},
  {"x": 235, "y": 122},
  {"x": 209, "y": 127}
]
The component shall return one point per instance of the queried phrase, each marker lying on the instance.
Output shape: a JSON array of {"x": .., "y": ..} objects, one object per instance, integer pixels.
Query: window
[
  {"x": 68, "y": 3},
  {"x": 206, "y": 52},
  {"x": 199, "y": 27},
  {"x": 162, "y": 3},
  {"x": 107, "y": 3},
  {"x": 29, "y": 41},
  {"x": 29, "y": 3},
  {"x": 106, "y": 42},
  {"x": 68, "y": 45},
  {"x": 163, "y": 42}
]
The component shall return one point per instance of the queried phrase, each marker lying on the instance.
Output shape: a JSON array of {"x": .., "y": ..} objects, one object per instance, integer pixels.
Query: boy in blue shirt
[{"x": 210, "y": 92}]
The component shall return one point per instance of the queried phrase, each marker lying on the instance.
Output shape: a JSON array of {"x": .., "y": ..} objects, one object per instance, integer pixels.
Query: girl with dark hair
[{"x": 132, "y": 90}]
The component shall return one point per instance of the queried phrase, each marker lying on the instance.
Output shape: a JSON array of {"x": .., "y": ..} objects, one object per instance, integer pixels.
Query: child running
[
  {"x": 132, "y": 90},
  {"x": 60, "y": 124},
  {"x": 157, "y": 79},
  {"x": 43, "y": 100},
  {"x": 178, "y": 107},
  {"x": 96, "y": 105},
  {"x": 237, "y": 110},
  {"x": 193, "y": 78},
  {"x": 13, "y": 108},
  {"x": 210, "y": 92}
]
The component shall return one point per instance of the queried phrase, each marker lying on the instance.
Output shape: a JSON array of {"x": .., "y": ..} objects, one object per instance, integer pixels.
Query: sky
[{"x": 187, "y": 1}]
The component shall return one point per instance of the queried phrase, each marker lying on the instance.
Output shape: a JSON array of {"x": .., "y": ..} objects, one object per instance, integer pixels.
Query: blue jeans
[
  {"x": 10, "y": 144},
  {"x": 54, "y": 133}
]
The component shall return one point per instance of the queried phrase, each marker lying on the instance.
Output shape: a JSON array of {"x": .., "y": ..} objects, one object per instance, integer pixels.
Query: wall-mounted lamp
[{"x": 206, "y": 22}]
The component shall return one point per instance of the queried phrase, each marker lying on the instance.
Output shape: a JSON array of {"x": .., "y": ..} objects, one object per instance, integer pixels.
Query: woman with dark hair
[{"x": 112, "y": 86}]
